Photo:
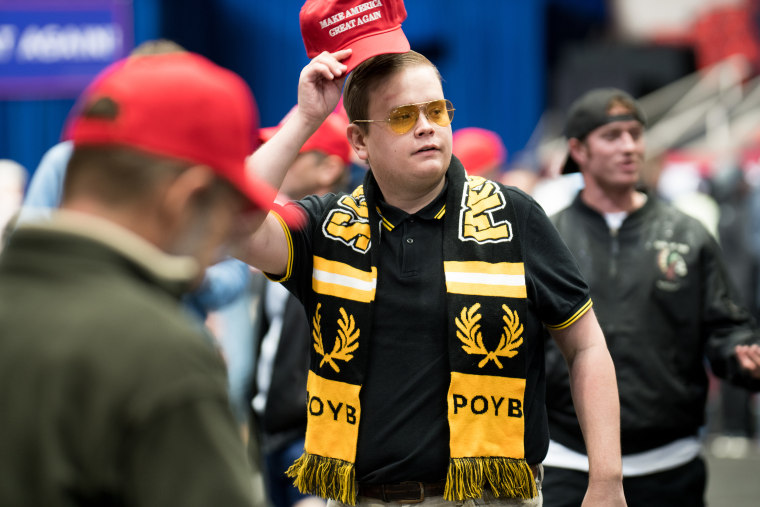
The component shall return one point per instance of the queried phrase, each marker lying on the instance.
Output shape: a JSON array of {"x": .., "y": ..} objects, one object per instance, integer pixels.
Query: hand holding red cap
[{"x": 320, "y": 84}]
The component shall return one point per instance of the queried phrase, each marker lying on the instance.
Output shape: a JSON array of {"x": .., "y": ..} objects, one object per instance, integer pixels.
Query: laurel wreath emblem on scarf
[
  {"x": 345, "y": 343},
  {"x": 468, "y": 332}
]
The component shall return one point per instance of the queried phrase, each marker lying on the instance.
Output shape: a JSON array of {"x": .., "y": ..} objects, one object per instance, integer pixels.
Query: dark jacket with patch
[{"x": 664, "y": 301}]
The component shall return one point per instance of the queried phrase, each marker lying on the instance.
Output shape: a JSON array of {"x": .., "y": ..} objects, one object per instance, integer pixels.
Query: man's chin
[{"x": 433, "y": 168}]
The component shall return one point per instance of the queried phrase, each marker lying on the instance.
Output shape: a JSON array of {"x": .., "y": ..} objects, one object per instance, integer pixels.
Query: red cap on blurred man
[
  {"x": 178, "y": 105},
  {"x": 330, "y": 138},
  {"x": 479, "y": 150}
]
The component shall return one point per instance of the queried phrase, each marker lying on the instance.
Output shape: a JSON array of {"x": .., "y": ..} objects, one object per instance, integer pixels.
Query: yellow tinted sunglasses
[{"x": 403, "y": 118}]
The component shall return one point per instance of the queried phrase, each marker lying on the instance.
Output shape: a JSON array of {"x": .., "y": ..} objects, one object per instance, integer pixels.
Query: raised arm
[
  {"x": 595, "y": 396},
  {"x": 319, "y": 88}
]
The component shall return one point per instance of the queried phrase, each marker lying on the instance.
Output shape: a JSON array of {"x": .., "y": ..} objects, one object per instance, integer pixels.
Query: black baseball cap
[{"x": 589, "y": 112}]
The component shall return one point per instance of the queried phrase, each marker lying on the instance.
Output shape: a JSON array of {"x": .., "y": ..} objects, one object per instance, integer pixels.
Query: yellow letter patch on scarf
[
  {"x": 486, "y": 421},
  {"x": 326, "y": 468},
  {"x": 333, "y": 415},
  {"x": 486, "y": 416}
]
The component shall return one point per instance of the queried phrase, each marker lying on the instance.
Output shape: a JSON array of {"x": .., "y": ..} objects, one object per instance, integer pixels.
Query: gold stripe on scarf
[
  {"x": 478, "y": 278},
  {"x": 338, "y": 279}
]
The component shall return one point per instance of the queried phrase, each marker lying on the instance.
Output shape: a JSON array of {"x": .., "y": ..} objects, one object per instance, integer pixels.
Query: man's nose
[
  {"x": 423, "y": 122},
  {"x": 628, "y": 141}
]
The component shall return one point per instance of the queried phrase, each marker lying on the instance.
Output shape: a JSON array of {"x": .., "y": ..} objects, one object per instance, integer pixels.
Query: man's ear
[
  {"x": 183, "y": 193},
  {"x": 358, "y": 139},
  {"x": 578, "y": 150}
]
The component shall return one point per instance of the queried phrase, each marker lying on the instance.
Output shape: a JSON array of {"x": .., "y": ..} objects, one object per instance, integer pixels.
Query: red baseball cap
[
  {"x": 478, "y": 149},
  {"x": 182, "y": 106},
  {"x": 330, "y": 138},
  {"x": 368, "y": 27}
]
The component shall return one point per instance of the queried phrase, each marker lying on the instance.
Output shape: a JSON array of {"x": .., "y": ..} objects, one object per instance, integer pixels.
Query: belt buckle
[{"x": 422, "y": 493}]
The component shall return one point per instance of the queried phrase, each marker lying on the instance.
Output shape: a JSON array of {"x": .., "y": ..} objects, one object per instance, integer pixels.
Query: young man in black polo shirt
[{"x": 427, "y": 292}]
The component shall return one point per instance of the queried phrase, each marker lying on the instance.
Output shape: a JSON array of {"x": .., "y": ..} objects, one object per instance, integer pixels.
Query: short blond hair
[{"x": 368, "y": 75}]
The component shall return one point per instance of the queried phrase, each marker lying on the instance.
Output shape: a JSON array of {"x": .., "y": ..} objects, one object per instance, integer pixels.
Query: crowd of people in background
[{"x": 725, "y": 198}]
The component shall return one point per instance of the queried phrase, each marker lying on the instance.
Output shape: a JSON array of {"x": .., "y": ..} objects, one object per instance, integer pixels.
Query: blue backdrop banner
[{"x": 52, "y": 49}]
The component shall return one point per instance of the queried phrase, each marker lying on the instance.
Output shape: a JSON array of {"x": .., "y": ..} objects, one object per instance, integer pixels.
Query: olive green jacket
[{"x": 109, "y": 393}]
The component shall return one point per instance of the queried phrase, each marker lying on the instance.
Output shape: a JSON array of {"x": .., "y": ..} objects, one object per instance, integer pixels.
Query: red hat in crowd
[
  {"x": 368, "y": 27},
  {"x": 478, "y": 149},
  {"x": 182, "y": 106},
  {"x": 330, "y": 138}
]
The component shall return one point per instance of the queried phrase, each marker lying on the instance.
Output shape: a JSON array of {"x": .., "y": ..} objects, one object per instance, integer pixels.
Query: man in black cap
[{"x": 664, "y": 302}]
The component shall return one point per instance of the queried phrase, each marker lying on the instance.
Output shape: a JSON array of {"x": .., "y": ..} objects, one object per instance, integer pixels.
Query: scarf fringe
[
  {"x": 328, "y": 478},
  {"x": 508, "y": 478}
]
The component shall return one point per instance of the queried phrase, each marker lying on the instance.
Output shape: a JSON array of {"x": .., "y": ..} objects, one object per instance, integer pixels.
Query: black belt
[
  {"x": 410, "y": 492},
  {"x": 403, "y": 492}
]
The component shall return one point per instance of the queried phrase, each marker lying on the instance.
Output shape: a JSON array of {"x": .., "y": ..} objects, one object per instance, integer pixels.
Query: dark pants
[
  {"x": 683, "y": 486},
  {"x": 736, "y": 411},
  {"x": 282, "y": 492}
]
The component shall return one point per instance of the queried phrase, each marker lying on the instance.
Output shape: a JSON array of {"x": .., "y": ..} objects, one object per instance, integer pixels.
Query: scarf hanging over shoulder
[{"x": 486, "y": 304}]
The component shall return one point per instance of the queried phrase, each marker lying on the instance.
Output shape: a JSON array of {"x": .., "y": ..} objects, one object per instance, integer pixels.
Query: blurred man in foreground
[{"x": 110, "y": 393}]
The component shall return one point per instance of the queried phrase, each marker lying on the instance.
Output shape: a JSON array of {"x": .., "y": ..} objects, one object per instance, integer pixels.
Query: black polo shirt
[{"x": 403, "y": 432}]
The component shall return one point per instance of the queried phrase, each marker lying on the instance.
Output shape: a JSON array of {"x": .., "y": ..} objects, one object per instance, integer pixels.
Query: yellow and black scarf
[{"x": 486, "y": 306}]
